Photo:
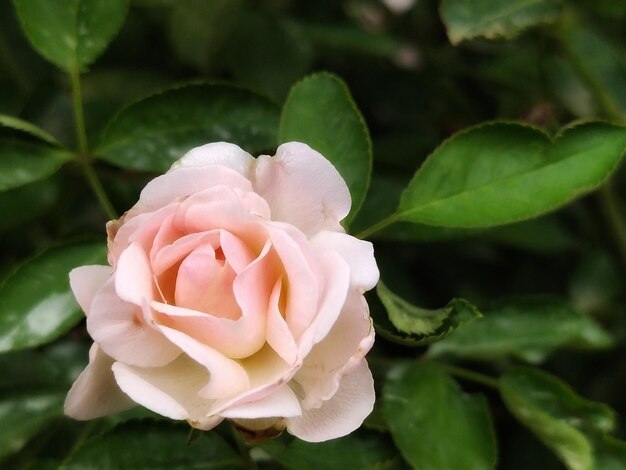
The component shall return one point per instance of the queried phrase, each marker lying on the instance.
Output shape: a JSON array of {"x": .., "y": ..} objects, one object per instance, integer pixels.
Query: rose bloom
[{"x": 233, "y": 292}]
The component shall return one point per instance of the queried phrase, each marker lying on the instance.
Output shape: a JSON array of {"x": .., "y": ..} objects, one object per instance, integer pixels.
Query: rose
[{"x": 233, "y": 292}]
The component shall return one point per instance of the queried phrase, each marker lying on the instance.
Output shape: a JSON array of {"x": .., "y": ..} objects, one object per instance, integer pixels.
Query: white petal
[
  {"x": 171, "y": 391},
  {"x": 85, "y": 281},
  {"x": 280, "y": 403},
  {"x": 95, "y": 392},
  {"x": 336, "y": 288},
  {"x": 302, "y": 188},
  {"x": 227, "y": 377},
  {"x": 218, "y": 153},
  {"x": 340, "y": 415},
  {"x": 351, "y": 337},
  {"x": 359, "y": 254}
]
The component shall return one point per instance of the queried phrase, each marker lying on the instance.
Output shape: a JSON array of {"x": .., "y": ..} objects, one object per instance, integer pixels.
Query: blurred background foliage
[{"x": 419, "y": 72}]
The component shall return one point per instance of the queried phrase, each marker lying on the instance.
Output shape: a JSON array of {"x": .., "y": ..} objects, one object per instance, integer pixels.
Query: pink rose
[{"x": 233, "y": 292}]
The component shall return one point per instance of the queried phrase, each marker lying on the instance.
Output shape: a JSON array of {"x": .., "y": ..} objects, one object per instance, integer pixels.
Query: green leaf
[
  {"x": 553, "y": 411},
  {"x": 500, "y": 173},
  {"x": 262, "y": 39},
  {"x": 600, "y": 64},
  {"x": 153, "y": 133},
  {"x": 434, "y": 424},
  {"x": 24, "y": 162},
  {"x": 23, "y": 413},
  {"x": 71, "y": 33},
  {"x": 19, "y": 125},
  {"x": 419, "y": 326},
  {"x": 27, "y": 202},
  {"x": 199, "y": 29},
  {"x": 528, "y": 329},
  {"x": 494, "y": 18},
  {"x": 351, "y": 39},
  {"x": 609, "y": 453},
  {"x": 321, "y": 113},
  {"x": 143, "y": 445},
  {"x": 36, "y": 303},
  {"x": 358, "y": 451}
]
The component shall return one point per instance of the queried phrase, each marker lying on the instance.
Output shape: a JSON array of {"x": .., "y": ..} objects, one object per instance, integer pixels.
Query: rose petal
[
  {"x": 133, "y": 278},
  {"x": 267, "y": 372},
  {"x": 280, "y": 403},
  {"x": 278, "y": 335},
  {"x": 238, "y": 254},
  {"x": 167, "y": 256},
  {"x": 358, "y": 253},
  {"x": 218, "y": 153},
  {"x": 302, "y": 274},
  {"x": 142, "y": 228},
  {"x": 171, "y": 391},
  {"x": 227, "y": 377},
  {"x": 205, "y": 283},
  {"x": 337, "y": 278},
  {"x": 95, "y": 392},
  {"x": 119, "y": 328},
  {"x": 181, "y": 182},
  {"x": 225, "y": 209},
  {"x": 302, "y": 188},
  {"x": 85, "y": 281},
  {"x": 351, "y": 337},
  {"x": 340, "y": 415}
]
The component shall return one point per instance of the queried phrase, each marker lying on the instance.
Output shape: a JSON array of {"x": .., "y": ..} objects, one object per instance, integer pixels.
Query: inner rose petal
[
  {"x": 205, "y": 283},
  {"x": 238, "y": 338}
]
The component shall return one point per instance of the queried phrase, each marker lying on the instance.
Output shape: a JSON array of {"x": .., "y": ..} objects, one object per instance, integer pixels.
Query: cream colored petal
[
  {"x": 95, "y": 392},
  {"x": 340, "y": 415}
]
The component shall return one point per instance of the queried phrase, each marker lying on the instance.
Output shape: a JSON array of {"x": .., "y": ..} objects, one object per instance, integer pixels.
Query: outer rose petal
[
  {"x": 95, "y": 392},
  {"x": 302, "y": 188},
  {"x": 218, "y": 153},
  {"x": 340, "y": 415},
  {"x": 227, "y": 377},
  {"x": 85, "y": 282},
  {"x": 281, "y": 403},
  {"x": 358, "y": 253},
  {"x": 114, "y": 324},
  {"x": 181, "y": 182},
  {"x": 170, "y": 391},
  {"x": 351, "y": 337}
]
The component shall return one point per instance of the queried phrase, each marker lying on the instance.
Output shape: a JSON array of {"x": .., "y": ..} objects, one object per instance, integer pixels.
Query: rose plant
[{"x": 233, "y": 292}]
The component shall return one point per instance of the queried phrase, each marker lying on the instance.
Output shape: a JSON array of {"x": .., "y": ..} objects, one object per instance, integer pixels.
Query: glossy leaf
[
  {"x": 528, "y": 329},
  {"x": 24, "y": 162},
  {"x": 27, "y": 202},
  {"x": 321, "y": 113},
  {"x": 494, "y": 18},
  {"x": 502, "y": 172},
  {"x": 556, "y": 414},
  {"x": 154, "y": 445},
  {"x": 36, "y": 303},
  {"x": 358, "y": 451},
  {"x": 23, "y": 413},
  {"x": 418, "y": 326},
  {"x": 434, "y": 424},
  {"x": 71, "y": 33},
  {"x": 17, "y": 124},
  {"x": 259, "y": 39},
  {"x": 153, "y": 133}
]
